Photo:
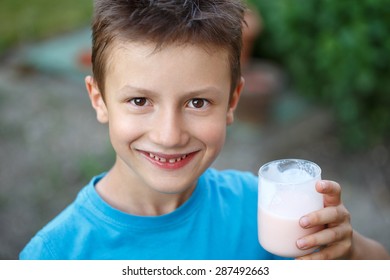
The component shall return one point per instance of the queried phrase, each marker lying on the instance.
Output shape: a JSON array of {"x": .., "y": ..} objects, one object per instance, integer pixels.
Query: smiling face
[{"x": 167, "y": 112}]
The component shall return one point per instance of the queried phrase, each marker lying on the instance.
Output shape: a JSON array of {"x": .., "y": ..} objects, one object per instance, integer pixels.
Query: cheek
[
  {"x": 123, "y": 131},
  {"x": 212, "y": 133}
]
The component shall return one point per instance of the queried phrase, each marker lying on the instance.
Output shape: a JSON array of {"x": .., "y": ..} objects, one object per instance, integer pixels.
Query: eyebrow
[{"x": 130, "y": 88}]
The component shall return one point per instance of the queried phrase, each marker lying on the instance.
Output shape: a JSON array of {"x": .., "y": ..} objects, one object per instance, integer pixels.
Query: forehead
[
  {"x": 120, "y": 49},
  {"x": 140, "y": 62}
]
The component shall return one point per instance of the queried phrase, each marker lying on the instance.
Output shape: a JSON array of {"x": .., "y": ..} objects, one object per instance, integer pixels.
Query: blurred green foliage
[
  {"x": 22, "y": 21},
  {"x": 337, "y": 53}
]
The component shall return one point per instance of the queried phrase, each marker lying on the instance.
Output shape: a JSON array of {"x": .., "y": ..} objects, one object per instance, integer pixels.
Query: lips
[{"x": 169, "y": 161}]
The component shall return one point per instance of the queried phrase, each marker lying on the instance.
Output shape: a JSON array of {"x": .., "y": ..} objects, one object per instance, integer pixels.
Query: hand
[{"x": 335, "y": 240}]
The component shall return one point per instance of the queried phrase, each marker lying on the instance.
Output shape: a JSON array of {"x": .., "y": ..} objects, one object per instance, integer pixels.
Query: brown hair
[{"x": 202, "y": 22}]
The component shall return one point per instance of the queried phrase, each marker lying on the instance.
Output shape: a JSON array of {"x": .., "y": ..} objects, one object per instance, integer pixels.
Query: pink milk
[{"x": 278, "y": 234}]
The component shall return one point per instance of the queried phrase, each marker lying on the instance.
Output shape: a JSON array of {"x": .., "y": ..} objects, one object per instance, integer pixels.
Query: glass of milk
[{"x": 286, "y": 193}]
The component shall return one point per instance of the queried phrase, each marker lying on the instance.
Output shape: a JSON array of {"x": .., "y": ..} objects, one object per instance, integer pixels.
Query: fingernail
[
  {"x": 304, "y": 221},
  {"x": 301, "y": 243}
]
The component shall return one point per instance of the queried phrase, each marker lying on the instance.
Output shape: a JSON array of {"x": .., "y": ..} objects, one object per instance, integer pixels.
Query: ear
[
  {"x": 97, "y": 100},
  {"x": 234, "y": 101}
]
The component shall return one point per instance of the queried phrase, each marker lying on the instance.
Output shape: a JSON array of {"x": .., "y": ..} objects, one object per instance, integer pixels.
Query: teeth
[
  {"x": 163, "y": 160},
  {"x": 172, "y": 160}
]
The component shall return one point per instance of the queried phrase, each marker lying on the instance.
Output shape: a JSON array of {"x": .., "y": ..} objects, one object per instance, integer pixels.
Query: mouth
[
  {"x": 173, "y": 161},
  {"x": 169, "y": 159}
]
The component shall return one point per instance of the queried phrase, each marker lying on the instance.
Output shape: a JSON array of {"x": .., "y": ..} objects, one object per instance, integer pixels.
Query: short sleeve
[{"x": 36, "y": 249}]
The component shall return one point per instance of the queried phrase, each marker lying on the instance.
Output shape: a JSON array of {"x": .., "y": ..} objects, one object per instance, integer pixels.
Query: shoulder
[
  {"x": 56, "y": 237},
  {"x": 41, "y": 246},
  {"x": 230, "y": 181},
  {"x": 230, "y": 178}
]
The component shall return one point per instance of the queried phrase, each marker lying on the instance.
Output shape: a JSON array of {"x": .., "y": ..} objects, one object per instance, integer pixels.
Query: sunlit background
[{"x": 317, "y": 87}]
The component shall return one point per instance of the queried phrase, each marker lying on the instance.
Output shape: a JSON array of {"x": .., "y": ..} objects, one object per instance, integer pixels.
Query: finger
[
  {"x": 331, "y": 191},
  {"x": 326, "y": 216},
  {"x": 334, "y": 252},
  {"x": 327, "y": 236}
]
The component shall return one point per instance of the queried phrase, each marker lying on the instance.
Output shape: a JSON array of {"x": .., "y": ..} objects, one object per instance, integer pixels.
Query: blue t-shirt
[{"x": 219, "y": 221}]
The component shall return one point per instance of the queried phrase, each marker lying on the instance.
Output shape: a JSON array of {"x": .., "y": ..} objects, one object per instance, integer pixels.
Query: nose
[{"x": 169, "y": 129}]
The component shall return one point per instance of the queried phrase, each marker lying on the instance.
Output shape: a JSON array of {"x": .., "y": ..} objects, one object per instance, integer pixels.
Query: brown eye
[
  {"x": 198, "y": 103},
  {"x": 139, "y": 101}
]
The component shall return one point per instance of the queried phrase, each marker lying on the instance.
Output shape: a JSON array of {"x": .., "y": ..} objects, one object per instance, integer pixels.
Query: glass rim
[{"x": 317, "y": 169}]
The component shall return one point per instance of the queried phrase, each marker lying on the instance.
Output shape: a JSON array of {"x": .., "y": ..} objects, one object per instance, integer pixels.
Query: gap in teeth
[{"x": 172, "y": 160}]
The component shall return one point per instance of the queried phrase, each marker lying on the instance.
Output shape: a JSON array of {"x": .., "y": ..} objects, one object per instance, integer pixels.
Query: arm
[
  {"x": 338, "y": 240},
  {"x": 366, "y": 248}
]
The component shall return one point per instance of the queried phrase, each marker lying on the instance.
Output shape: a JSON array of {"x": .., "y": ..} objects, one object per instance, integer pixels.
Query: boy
[{"x": 167, "y": 81}]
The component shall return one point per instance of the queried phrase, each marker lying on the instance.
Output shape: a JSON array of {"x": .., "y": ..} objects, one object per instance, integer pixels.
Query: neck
[{"x": 129, "y": 196}]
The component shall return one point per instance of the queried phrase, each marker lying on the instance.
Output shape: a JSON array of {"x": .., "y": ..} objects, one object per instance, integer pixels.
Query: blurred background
[{"x": 317, "y": 87}]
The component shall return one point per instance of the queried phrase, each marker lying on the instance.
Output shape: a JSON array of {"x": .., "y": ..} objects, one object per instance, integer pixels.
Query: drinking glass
[{"x": 286, "y": 193}]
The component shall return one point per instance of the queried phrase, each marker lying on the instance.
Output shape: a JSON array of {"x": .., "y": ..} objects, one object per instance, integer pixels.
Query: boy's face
[{"x": 167, "y": 112}]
